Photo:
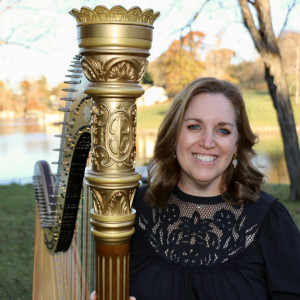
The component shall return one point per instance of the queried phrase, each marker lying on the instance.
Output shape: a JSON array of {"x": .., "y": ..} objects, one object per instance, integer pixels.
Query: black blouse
[{"x": 205, "y": 248}]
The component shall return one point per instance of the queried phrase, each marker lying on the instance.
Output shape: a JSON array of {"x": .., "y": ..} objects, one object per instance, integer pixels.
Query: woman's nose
[{"x": 207, "y": 140}]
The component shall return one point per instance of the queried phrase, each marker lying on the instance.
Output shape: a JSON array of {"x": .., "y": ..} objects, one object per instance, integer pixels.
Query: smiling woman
[
  {"x": 207, "y": 118},
  {"x": 204, "y": 228},
  {"x": 206, "y": 144}
]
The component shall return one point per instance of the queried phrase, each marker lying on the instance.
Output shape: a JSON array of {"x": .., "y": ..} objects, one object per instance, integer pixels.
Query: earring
[
  {"x": 174, "y": 154},
  {"x": 235, "y": 161}
]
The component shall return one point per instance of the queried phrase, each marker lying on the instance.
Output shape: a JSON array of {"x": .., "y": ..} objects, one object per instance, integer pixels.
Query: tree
[
  {"x": 180, "y": 64},
  {"x": 35, "y": 94},
  {"x": 266, "y": 44},
  {"x": 249, "y": 74},
  {"x": 147, "y": 78},
  {"x": 289, "y": 45},
  {"x": 217, "y": 62},
  {"x": 7, "y": 97}
]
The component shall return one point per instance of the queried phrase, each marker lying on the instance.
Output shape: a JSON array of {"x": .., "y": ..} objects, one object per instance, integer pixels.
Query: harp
[{"x": 84, "y": 219}]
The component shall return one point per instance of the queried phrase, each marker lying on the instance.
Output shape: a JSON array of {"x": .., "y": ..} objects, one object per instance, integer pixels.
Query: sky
[{"x": 43, "y": 38}]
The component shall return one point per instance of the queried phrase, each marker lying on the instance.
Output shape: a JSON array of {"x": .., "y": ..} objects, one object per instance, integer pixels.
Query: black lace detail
[{"x": 194, "y": 234}]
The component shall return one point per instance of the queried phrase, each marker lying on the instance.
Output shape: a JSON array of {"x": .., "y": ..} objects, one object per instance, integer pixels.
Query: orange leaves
[{"x": 180, "y": 64}]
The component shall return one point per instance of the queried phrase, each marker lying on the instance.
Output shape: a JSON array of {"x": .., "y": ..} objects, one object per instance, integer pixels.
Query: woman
[{"x": 204, "y": 229}]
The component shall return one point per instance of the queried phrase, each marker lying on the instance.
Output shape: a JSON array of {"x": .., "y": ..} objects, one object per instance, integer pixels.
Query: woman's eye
[
  {"x": 224, "y": 131},
  {"x": 193, "y": 127}
]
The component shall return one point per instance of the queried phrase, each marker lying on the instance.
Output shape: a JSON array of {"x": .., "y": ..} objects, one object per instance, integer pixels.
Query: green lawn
[
  {"x": 152, "y": 116},
  {"x": 259, "y": 106},
  {"x": 281, "y": 191},
  {"x": 17, "y": 221},
  {"x": 261, "y": 111}
]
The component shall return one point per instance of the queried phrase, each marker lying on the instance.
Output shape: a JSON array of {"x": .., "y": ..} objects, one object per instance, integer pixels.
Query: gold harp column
[{"x": 114, "y": 45}]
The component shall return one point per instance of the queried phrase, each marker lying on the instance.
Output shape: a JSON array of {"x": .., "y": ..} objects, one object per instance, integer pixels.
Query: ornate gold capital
[
  {"x": 114, "y": 69},
  {"x": 118, "y": 13}
]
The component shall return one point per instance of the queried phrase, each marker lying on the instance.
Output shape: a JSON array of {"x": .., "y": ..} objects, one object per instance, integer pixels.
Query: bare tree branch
[
  {"x": 190, "y": 23},
  {"x": 250, "y": 24},
  {"x": 13, "y": 35},
  {"x": 265, "y": 24},
  {"x": 290, "y": 7},
  {"x": 9, "y": 6}
]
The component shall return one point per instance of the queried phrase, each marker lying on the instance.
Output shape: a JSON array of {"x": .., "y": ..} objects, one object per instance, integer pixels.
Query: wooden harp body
[{"x": 85, "y": 217}]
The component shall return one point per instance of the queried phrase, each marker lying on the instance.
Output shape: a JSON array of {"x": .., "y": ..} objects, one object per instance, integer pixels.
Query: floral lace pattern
[{"x": 197, "y": 235}]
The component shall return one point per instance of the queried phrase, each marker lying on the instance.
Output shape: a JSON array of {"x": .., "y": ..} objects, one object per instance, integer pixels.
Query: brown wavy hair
[{"x": 238, "y": 185}]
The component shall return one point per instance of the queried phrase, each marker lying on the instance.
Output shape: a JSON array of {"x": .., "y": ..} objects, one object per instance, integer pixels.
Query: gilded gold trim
[
  {"x": 113, "y": 69},
  {"x": 115, "y": 31},
  {"x": 116, "y": 229},
  {"x": 117, "y": 14}
]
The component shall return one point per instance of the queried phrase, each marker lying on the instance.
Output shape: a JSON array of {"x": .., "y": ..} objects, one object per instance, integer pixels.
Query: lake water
[{"x": 22, "y": 143}]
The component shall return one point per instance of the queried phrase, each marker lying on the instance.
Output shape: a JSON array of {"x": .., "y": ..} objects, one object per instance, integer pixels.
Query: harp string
[{"x": 66, "y": 275}]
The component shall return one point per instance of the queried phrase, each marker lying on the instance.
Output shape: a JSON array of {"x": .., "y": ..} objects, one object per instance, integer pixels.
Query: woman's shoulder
[
  {"x": 270, "y": 205},
  {"x": 276, "y": 215},
  {"x": 264, "y": 204},
  {"x": 263, "y": 196},
  {"x": 258, "y": 212}
]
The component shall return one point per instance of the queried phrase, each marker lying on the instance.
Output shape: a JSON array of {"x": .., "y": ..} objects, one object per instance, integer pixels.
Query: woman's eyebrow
[
  {"x": 193, "y": 119},
  {"x": 222, "y": 123},
  {"x": 226, "y": 123}
]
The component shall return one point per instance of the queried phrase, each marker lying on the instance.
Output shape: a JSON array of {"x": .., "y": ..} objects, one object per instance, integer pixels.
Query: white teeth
[{"x": 205, "y": 157}]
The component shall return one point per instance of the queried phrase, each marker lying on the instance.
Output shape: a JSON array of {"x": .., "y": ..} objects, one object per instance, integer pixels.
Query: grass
[
  {"x": 152, "y": 116},
  {"x": 17, "y": 221},
  {"x": 261, "y": 111},
  {"x": 259, "y": 107},
  {"x": 281, "y": 192}
]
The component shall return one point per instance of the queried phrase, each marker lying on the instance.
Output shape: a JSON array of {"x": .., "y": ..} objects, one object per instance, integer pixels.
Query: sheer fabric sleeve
[{"x": 280, "y": 242}]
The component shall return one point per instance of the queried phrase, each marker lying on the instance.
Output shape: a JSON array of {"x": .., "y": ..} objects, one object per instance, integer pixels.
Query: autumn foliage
[
  {"x": 186, "y": 59},
  {"x": 180, "y": 64}
]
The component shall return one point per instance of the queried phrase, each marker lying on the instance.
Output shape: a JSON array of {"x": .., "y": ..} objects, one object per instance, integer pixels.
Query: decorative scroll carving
[
  {"x": 119, "y": 134},
  {"x": 117, "y": 13},
  {"x": 125, "y": 69},
  {"x": 97, "y": 201},
  {"x": 101, "y": 158},
  {"x": 110, "y": 202},
  {"x": 113, "y": 136}
]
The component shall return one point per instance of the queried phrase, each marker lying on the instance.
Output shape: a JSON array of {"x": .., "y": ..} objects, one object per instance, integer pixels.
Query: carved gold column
[{"x": 114, "y": 44}]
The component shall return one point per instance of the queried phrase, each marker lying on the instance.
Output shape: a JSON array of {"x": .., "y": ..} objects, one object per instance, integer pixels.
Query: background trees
[
  {"x": 289, "y": 45},
  {"x": 266, "y": 44},
  {"x": 180, "y": 64}
]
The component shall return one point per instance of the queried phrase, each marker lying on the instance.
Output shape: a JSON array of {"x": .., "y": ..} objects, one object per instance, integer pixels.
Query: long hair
[{"x": 238, "y": 184}]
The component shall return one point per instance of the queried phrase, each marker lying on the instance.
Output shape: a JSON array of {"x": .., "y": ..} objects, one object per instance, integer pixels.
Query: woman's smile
[{"x": 205, "y": 158}]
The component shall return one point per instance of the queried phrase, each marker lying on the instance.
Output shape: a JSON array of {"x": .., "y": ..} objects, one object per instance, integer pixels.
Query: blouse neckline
[{"x": 197, "y": 199}]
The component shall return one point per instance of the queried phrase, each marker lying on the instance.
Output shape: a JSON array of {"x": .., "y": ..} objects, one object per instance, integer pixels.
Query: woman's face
[{"x": 206, "y": 144}]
